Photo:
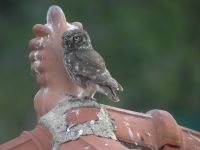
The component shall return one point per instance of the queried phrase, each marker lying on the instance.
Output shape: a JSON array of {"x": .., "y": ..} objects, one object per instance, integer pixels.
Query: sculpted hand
[{"x": 46, "y": 61}]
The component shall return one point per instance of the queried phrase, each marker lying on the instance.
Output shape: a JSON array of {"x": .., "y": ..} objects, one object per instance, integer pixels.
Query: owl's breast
[
  {"x": 71, "y": 63},
  {"x": 73, "y": 66}
]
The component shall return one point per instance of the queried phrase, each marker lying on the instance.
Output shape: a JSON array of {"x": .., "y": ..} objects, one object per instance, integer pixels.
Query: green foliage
[{"x": 151, "y": 47}]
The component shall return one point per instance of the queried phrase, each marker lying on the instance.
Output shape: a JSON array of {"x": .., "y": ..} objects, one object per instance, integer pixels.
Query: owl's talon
[
  {"x": 72, "y": 96},
  {"x": 86, "y": 98},
  {"x": 89, "y": 98},
  {"x": 92, "y": 98}
]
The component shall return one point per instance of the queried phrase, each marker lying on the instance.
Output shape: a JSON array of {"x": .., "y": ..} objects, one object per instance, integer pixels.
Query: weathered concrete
[{"x": 56, "y": 122}]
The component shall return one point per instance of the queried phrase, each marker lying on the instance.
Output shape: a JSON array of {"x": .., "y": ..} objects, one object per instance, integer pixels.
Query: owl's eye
[{"x": 76, "y": 38}]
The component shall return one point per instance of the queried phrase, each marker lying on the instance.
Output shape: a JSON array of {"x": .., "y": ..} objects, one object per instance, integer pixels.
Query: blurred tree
[{"x": 151, "y": 47}]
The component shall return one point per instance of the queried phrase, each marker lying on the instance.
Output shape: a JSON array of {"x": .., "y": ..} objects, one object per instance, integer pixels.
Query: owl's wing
[
  {"x": 91, "y": 57},
  {"x": 93, "y": 65},
  {"x": 94, "y": 69}
]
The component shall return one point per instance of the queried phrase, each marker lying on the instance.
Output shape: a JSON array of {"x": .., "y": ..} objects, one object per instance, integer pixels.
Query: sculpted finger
[
  {"x": 36, "y": 43},
  {"x": 78, "y": 24},
  {"x": 37, "y": 67},
  {"x": 41, "y": 30},
  {"x": 35, "y": 55}
]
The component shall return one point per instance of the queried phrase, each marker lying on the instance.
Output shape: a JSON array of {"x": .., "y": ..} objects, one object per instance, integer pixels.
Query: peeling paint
[
  {"x": 41, "y": 42},
  {"x": 126, "y": 124},
  {"x": 80, "y": 132},
  {"x": 76, "y": 111},
  {"x": 49, "y": 26},
  {"x": 87, "y": 147},
  {"x": 36, "y": 56},
  {"x": 138, "y": 134},
  {"x": 130, "y": 132},
  {"x": 148, "y": 134},
  {"x": 92, "y": 122},
  {"x": 37, "y": 64}
]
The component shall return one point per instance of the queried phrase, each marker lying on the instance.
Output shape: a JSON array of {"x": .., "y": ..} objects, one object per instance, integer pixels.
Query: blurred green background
[{"x": 151, "y": 47}]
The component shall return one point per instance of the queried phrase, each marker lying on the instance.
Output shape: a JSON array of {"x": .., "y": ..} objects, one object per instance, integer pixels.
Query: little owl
[{"x": 86, "y": 67}]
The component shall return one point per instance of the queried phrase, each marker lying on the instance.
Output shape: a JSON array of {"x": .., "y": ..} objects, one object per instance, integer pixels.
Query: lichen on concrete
[{"x": 56, "y": 122}]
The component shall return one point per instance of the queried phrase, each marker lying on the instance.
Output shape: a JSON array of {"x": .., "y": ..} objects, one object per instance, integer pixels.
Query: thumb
[{"x": 56, "y": 18}]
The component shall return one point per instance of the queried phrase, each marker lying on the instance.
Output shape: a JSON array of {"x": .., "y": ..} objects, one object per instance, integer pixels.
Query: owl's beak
[{"x": 69, "y": 43}]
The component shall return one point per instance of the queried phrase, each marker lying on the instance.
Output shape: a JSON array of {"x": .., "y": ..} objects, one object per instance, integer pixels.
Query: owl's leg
[
  {"x": 81, "y": 94},
  {"x": 91, "y": 95},
  {"x": 88, "y": 92}
]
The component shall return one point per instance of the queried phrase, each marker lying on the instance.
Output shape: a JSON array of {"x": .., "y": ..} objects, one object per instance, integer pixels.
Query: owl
[{"x": 86, "y": 67}]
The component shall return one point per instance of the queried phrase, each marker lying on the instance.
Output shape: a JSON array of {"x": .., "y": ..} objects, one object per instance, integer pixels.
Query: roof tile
[{"x": 153, "y": 130}]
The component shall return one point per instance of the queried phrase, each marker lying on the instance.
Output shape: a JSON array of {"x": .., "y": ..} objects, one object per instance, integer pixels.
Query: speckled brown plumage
[{"x": 86, "y": 67}]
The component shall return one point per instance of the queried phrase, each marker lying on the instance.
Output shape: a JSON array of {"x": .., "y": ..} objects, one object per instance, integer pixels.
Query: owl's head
[{"x": 75, "y": 40}]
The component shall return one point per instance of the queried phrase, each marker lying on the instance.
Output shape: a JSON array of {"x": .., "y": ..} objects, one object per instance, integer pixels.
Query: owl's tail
[
  {"x": 119, "y": 88},
  {"x": 113, "y": 84},
  {"x": 109, "y": 88},
  {"x": 109, "y": 92}
]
